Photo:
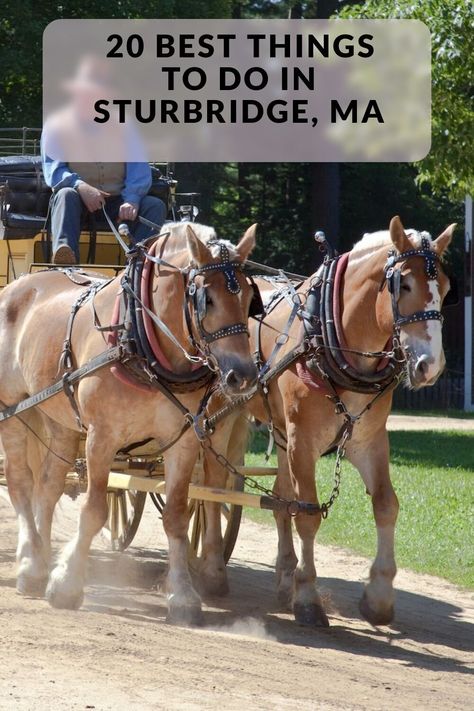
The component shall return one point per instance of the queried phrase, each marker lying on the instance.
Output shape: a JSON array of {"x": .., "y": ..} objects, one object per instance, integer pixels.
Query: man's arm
[
  {"x": 57, "y": 174},
  {"x": 137, "y": 182}
]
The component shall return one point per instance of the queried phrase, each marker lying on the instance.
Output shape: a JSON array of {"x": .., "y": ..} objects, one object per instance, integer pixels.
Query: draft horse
[
  {"x": 187, "y": 266},
  {"x": 388, "y": 295}
]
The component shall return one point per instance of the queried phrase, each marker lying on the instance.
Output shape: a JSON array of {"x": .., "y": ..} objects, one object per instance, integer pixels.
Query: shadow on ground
[{"x": 120, "y": 584}]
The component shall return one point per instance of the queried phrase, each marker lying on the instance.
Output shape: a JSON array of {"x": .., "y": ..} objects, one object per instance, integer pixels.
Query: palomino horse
[
  {"x": 114, "y": 408},
  {"x": 304, "y": 412}
]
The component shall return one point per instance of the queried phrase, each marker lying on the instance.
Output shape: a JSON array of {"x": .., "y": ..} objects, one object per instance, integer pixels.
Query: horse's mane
[
  {"x": 372, "y": 241},
  {"x": 176, "y": 241}
]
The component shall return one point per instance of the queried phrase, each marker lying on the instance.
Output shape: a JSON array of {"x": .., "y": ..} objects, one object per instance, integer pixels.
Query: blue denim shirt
[{"x": 58, "y": 175}]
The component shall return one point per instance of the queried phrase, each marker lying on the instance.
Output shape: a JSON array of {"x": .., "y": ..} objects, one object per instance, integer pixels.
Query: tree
[
  {"x": 21, "y": 32},
  {"x": 450, "y": 163}
]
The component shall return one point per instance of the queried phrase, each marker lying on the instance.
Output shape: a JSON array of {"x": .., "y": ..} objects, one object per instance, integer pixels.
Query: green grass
[{"x": 432, "y": 473}]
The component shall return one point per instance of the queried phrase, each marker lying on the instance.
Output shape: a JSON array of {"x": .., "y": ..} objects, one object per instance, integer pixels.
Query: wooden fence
[{"x": 446, "y": 394}]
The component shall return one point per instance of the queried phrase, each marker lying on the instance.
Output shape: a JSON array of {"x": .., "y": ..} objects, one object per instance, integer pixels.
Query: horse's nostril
[
  {"x": 231, "y": 379},
  {"x": 422, "y": 366}
]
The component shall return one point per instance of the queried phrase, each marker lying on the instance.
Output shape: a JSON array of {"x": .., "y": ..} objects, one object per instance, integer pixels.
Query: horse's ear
[
  {"x": 247, "y": 243},
  {"x": 398, "y": 235},
  {"x": 441, "y": 243},
  {"x": 200, "y": 254}
]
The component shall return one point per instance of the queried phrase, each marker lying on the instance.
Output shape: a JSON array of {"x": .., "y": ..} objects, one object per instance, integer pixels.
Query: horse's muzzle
[
  {"x": 240, "y": 379},
  {"x": 425, "y": 372}
]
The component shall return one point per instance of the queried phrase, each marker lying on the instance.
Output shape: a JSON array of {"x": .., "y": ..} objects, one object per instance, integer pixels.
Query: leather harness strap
[{"x": 109, "y": 356}]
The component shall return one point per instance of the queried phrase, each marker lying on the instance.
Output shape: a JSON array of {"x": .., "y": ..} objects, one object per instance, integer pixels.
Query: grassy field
[{"x": 433, "y": 475}]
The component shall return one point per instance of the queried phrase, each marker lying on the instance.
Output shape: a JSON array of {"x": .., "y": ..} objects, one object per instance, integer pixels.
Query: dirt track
[
  {"x": 420, "y": 422},
  {"x": 119, "y": 653}
]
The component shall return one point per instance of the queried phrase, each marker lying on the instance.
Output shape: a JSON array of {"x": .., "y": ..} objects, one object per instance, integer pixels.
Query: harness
[
  {"x": 130, "y": 346},
  {"x": 319, "y": 346},
  {"x": 320, "y": 343}
]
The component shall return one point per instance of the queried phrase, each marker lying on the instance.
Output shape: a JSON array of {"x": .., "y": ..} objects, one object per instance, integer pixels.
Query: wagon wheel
[
  {"x": 230, "y": 520},
  {"x": 125, "y": 513}
]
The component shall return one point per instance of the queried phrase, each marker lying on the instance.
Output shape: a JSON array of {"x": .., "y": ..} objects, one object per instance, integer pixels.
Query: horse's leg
[
  {"x": 307, "y": 604},
  {"x": 59, "y": 460},
  {"x": 372, "y": 461},
  {"x": 32, "y": 559},
  {"x": 212, "y": 568},
  {"x": 286, "y": 559},
  {"x": 184, "y": 604},
  {"x": 66, "y": 583}
]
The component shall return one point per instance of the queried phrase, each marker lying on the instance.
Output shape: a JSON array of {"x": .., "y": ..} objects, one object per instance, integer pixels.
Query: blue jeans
[{"x": 68, "y": 212}]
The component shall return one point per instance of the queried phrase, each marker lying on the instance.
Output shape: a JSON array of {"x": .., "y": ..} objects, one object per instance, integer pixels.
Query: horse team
[{"x": 41, "y": 446}]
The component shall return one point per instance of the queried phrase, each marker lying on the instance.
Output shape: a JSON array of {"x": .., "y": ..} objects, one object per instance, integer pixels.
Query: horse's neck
[
  {"x": 359, "y": 292},
  {"x": 167, "y": 301}
]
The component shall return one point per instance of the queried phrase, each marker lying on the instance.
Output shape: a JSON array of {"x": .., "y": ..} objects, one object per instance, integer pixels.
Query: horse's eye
[
  {"x": 209, "y": 301},
  {"x": 405, "y": 286}
]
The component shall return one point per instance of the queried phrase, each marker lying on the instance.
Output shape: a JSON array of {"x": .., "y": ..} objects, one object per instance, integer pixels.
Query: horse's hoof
[
  {"x": 64, "y": 599},
  {"x": 188, "y": 616},
  {"x": 310, "y": 615},
  {"x": 31, "y": 587},
  {"x": 375, "y": 617}
]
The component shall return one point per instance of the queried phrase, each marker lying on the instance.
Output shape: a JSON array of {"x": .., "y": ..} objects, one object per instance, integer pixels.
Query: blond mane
[
  {"x": 177, "y": 238},
  {"x": 371, "y": 241}
]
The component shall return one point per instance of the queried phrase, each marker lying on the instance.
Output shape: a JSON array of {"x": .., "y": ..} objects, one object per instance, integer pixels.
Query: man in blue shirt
[
  {"x": 88, "y": 186},
  {"x": 79, "y": 187}
]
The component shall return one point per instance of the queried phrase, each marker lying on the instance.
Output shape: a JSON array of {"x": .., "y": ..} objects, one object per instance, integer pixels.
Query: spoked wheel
[
  {"x": 230, "y": 521},
  {"x": 125, "y": 513}
]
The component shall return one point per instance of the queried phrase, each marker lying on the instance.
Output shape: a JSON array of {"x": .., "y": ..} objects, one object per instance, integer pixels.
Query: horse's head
[
  {"x": 418, "y": 286},
  {"x": 221, "y": 297}
]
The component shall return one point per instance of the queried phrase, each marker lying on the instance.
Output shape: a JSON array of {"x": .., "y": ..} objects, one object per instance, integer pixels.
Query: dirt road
[
  {"x": 420, "y": 422},
  {"x": 119, "y": 653}
]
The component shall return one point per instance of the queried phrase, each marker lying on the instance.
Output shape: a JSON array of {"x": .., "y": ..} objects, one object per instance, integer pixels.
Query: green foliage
[
  {"x": 21, "y": 31},
  {"x": 285, "y": 199},
  {"x": 449, "y": 164},
  {"x": 432, "y": 475},
  {"x": 276, "y": 195}
]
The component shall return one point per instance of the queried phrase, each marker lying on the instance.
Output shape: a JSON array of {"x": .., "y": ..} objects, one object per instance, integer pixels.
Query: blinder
[
  {"x": 200, "y": 302},
  {"x": 256, "y": 309},
  {"x": 452, "y": 297}
]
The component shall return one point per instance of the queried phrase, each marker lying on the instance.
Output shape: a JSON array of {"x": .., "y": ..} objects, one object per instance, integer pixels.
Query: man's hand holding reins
[
  {"x": 93, "y": 198},
  {"x": 128, "y": 211}
]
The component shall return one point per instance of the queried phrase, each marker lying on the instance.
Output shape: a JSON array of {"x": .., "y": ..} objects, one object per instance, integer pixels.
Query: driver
[
  {"x": 81, "y": 187},
  {"x": 87, "y": 187}
]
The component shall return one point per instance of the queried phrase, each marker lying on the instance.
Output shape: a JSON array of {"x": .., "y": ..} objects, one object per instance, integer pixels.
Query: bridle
[
  {"x": 392, "y": 277},
  {"x": 197, "y": 296}
]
